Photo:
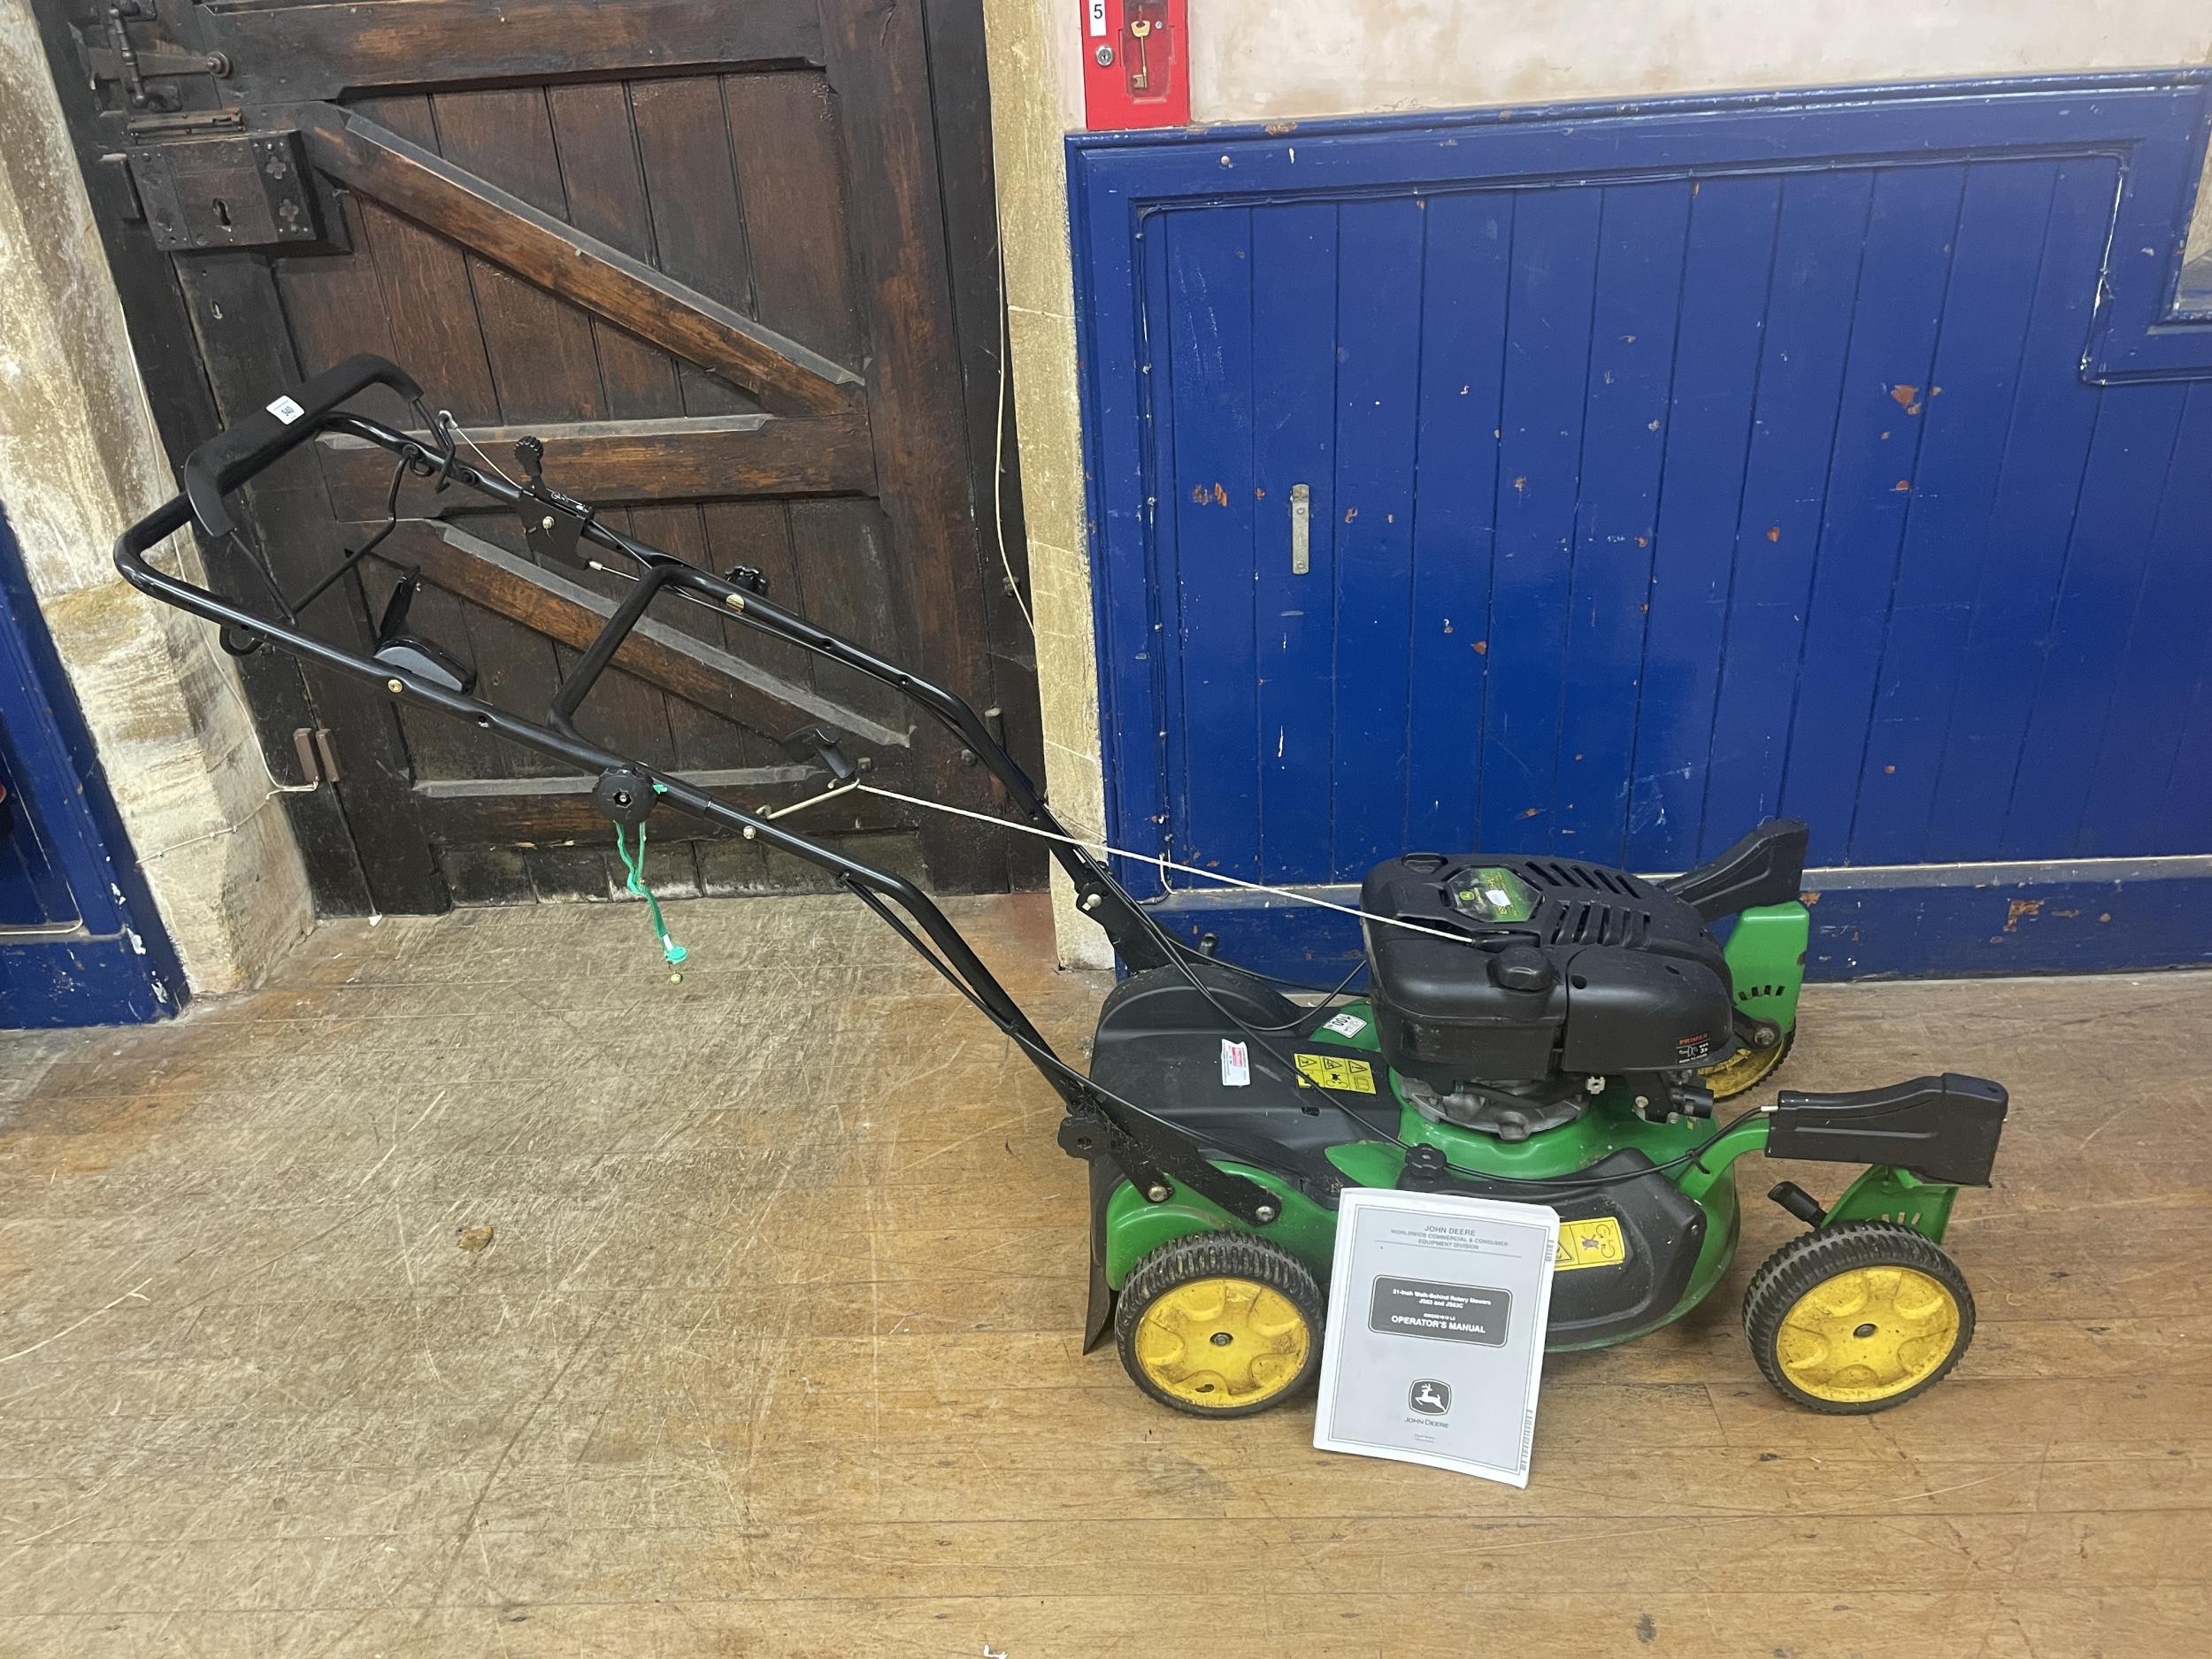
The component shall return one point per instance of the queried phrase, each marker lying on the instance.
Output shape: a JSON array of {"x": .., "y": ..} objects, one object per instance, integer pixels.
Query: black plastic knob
[
  {"x": 1522, "y": 967},
  {"x": 1425, "y": 1168}
]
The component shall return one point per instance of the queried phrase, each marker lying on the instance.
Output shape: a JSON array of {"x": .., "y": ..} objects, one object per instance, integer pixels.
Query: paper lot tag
[{"x": 1236, "y": 1066}]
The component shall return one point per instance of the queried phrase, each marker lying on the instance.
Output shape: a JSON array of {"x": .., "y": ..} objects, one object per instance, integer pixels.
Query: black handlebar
[
  {"x": 232, "y": 457},
  {"x": 149, "y": 532}
]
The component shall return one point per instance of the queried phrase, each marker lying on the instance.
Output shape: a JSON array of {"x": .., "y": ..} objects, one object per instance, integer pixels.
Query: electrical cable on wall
[{"x": 998, "y": 455}]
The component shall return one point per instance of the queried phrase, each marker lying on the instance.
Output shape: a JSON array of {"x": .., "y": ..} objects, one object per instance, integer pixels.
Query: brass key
[{"x": 1141, "y": 81}]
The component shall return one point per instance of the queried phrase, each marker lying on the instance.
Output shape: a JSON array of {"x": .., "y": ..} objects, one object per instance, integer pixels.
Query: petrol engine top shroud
[{"x": 1577, "y": 969}]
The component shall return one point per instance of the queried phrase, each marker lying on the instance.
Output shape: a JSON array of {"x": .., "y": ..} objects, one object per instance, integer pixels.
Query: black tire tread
[
  {"x": 1811, "y": 1257},
  {"x": 1210, "y": 1256}
]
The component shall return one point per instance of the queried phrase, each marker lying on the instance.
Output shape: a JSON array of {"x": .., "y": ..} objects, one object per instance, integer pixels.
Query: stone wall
[{"x": 1035, "y": 89}]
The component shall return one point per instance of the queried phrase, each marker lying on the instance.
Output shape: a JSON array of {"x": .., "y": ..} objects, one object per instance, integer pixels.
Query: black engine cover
[{"x": 1555, "y": 965}]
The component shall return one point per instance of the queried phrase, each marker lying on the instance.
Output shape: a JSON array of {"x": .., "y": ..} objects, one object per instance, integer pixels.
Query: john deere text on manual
[{"x": 1435, "y": 1341}]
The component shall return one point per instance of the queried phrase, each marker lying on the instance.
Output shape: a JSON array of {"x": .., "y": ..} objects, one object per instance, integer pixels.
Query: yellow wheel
[
  {"x": 1858, "y": 1317},
  {"x": 1219, "y": 1325},
  {"x": 1748, "y": 1067}
]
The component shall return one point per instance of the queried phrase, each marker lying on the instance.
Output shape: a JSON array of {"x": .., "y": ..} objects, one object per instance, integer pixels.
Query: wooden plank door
[{"x": 701, "y": 252}]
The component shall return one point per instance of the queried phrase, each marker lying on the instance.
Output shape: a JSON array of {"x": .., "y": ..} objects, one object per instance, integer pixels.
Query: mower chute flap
[
  {"x": 1939, "y": 1128},
  {"x": 1765, "y": 867}
]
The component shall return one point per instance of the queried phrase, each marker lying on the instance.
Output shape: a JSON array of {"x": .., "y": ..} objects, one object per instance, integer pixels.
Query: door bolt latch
[{"x": 121, "y": 60}]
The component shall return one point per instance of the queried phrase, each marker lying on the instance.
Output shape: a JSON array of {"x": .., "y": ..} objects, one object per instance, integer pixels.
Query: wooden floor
[{"x": 772, "y": 1345}]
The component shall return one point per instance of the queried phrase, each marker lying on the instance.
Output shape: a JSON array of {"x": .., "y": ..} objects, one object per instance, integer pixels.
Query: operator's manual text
[{"x": 1435, "y": 1342}]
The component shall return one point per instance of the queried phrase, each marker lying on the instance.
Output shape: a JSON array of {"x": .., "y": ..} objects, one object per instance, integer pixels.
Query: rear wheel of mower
[
  {"x": 1858, "y": 1317},
  {"x": 1746, "y": 1069},
  {"x": 1220, "y": 1324}
]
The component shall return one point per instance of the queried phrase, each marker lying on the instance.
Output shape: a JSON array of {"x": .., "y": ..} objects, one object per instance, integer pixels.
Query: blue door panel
[
  {"x": 1728, "y": 272},
  {"x": 1835, "y": 455},
  {"x": 1379, "y": 248},
  {"x": 1293, "y": 391},
  {"x": 1550, "y": 294},
  {"x": 2130, "y": 455},
  {"x": 1895, "y": 318},
  {"x": 1974, "y": 378},
  {"x": 80, "y": 943},
  {"x": 2050, "y": 427},
  {"x": 34, "y": 893},
  {"x": 1820, "y": 228},
  {"x": 2169, "y": 624},
  {"x": 2178, "y": 823},
  {"x": 1460, "y": 438},
  {"x": 1210, "y": 264},
  {"x": 1642, "y": 249}
]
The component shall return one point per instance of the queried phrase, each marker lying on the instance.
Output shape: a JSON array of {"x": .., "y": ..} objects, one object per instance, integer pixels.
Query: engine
[{"x": 1555, "y": 978}]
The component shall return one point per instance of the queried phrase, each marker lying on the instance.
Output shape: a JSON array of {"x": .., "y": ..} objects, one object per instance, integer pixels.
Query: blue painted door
[
  {"x": 1642, "y": 509},
  {"x": 33, "y": 894},
  {"x": 80, "y": 944}
]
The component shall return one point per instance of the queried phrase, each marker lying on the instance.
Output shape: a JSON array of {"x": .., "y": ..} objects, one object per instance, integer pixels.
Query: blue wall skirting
[
  {"x": 1846, "y": 455},
  {"x": 1939, "y": 922}
]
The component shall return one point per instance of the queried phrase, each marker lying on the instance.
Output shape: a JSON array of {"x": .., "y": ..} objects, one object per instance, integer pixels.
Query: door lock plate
[{"x": 235, "y": 190}]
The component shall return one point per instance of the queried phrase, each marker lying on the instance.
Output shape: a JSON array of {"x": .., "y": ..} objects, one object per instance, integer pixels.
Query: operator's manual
[{"x": 1435, "y": 1341}]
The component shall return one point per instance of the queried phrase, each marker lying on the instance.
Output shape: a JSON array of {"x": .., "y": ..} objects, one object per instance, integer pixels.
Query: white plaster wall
[
  {"x": 79, "y": 459},
  {"x": 1272, "y": 59}
]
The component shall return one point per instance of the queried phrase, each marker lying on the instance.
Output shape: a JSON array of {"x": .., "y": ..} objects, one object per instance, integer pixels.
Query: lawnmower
[{"x": 1535, "y": 1029}]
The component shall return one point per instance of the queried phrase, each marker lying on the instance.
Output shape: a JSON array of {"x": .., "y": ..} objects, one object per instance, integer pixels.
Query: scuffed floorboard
[{"x": 771, "y": 1344}]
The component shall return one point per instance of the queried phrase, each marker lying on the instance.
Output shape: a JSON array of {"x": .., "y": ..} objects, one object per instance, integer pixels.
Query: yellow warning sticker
[
  {"x": 1334, "y": 1071},
  {"x": 1597, "y": 1242}
]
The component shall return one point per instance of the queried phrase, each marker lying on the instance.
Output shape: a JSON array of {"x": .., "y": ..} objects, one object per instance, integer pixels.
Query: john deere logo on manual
[{"x": 1430, "y": 1396}]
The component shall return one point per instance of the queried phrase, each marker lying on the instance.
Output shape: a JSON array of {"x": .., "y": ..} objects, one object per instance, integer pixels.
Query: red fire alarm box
[{"x": 1136, "y": 64}]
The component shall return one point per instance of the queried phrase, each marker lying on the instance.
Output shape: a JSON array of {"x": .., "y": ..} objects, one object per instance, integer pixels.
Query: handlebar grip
[{"x": 232, "y": 457}]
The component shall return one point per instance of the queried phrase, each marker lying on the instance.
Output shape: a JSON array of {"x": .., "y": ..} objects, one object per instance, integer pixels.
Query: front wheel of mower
[
  {"x": 1858, "y": 1317},
  {"x": 1220, "y": 1324}
]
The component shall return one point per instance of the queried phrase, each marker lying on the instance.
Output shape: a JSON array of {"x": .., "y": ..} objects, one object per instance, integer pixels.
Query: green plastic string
[{"x": 674, "y": 952}]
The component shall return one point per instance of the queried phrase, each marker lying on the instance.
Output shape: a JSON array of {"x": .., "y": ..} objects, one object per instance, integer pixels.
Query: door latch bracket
[{"x": 231, "y": 190}]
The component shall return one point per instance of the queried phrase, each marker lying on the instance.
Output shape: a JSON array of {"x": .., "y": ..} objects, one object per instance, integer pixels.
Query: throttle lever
[
  {"x": 824, "y": 746},
  {"x": 552, "y": 524}
]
